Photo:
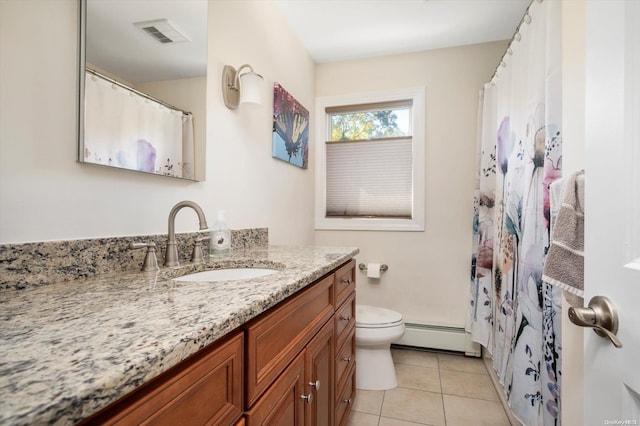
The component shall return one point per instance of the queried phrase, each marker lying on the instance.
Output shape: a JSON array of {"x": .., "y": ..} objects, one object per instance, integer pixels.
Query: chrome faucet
[{"x": 171, "y": 255}]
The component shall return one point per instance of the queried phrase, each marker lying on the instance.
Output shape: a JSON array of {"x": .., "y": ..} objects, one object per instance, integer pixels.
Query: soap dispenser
[{"x": 220, "y": 242}]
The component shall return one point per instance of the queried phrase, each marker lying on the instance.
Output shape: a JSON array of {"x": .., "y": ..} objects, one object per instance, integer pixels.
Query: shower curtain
[
  {"x": 124, "y": 129},
  {"x": 513, "y": 313}
]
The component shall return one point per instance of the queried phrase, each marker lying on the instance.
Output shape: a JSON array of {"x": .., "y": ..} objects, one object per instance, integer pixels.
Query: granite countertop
[{"x": 70, "y": 349}]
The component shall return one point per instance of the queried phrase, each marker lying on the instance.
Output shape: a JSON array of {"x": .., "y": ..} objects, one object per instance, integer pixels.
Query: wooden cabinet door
[
  {"x": 282, "y": 404},
  {"x": 205, "y": 389},
  {"x": 319, "y": 374}
]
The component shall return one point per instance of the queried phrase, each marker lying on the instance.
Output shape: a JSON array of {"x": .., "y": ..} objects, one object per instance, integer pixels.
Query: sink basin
[{"x": 226, "y": 274}]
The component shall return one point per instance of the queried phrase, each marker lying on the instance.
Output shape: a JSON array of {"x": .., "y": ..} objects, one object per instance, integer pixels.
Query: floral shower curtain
[{"x": 513, "y": 313}]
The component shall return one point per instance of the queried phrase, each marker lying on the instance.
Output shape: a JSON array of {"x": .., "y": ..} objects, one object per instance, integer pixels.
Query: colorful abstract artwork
[{"x": 290, "y": 128}]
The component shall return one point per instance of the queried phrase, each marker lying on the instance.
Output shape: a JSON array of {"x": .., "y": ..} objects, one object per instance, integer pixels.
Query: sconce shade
[
  {"x": 251, "y": 88},
  {"x": 241, "y": 88}
]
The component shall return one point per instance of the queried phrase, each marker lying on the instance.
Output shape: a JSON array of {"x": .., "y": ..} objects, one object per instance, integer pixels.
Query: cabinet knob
[
  {"x": 315, "y": 384},
  {"x": 347, "y": 281},
  {"x": 345, "y": 318},
  {"x": 347, "y": 401},
  {"x": 347, "y": 358},
  {"x": 308, "y": 398}
]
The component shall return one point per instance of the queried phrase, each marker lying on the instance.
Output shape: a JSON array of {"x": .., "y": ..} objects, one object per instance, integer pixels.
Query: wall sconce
[{"x": 240, "y": 88}]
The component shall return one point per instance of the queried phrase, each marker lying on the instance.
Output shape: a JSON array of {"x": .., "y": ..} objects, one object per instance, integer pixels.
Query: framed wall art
[{"x": 290, "y": 128}]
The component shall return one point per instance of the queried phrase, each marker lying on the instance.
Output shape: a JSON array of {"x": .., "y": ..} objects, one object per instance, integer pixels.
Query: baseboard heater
[{"x": 439, "y": 338}]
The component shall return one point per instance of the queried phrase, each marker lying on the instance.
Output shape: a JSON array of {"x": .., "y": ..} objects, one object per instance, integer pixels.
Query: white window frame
[{"x": 323, "y": 132}]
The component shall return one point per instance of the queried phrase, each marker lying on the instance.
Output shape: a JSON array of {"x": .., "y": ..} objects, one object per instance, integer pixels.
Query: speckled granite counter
[{"x": 67, "y": 351}]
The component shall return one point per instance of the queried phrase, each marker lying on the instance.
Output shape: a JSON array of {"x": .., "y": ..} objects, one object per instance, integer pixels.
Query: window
[{"x": 370, "y": 173}]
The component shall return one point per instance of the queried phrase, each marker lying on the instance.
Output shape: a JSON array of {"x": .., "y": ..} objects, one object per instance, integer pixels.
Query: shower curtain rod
[
  {"x": 516, "y": 36},
  {"x": 137, "y": 92}
]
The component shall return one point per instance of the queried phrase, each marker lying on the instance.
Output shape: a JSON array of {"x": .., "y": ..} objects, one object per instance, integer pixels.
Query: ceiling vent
[{"x": 162, "y": 31}]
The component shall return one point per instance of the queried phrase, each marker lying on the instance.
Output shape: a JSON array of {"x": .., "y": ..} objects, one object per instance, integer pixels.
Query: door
[
  {"x": 281, "y": 404},
  {"x": 319, "y": 377},
  {"x": 612, "y": 185}
]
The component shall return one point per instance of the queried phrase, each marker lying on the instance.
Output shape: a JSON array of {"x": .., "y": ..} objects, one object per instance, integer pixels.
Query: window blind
[{"x": 370, "y": 178}]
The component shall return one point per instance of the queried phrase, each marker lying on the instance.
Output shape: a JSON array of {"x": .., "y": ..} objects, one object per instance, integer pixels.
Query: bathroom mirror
[{"x": 143, "y": 66}]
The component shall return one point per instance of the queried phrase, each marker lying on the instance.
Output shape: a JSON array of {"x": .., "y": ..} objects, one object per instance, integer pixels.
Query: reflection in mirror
[{"x": 143, "y": 85}]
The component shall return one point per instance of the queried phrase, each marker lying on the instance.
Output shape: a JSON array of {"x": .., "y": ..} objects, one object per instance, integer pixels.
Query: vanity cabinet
[
  {"x": 291, "y": 365},
  {"x": 319, "y": 324}
]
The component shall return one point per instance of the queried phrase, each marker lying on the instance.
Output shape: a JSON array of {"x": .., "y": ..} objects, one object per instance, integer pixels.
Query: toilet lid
[{"x": 374, "y": 316}]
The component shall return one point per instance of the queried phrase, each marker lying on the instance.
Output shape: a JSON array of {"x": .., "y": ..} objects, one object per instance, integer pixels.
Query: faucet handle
[
  {"x": 198, "y": 250},
  {"x": 150, "y": 259}
]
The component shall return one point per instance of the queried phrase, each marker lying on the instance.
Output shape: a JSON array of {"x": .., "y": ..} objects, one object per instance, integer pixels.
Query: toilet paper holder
[{"x": 383, "y": 268}]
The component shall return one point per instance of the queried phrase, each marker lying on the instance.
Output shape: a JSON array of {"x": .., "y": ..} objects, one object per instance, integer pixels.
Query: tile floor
[{"x": 433, "y": 389}]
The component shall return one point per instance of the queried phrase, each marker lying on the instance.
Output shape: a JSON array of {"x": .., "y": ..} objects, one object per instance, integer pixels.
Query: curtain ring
[
  {"x": 518, "y": 37},
  {"x": 527, "y": 18}
]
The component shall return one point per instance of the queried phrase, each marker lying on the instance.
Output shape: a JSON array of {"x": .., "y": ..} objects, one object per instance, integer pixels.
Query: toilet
[{"x": 376, "y": 329}]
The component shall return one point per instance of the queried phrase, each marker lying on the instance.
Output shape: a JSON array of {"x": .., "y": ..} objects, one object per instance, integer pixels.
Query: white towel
[{"x": 565, "y": 262}]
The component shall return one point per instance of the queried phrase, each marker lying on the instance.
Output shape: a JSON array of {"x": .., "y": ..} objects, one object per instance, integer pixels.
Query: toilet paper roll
[{"x": 373, "y": 270}]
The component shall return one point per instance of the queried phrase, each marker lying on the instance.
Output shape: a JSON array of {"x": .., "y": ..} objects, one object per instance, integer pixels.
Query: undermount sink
[{"x": 226, "y": 274}]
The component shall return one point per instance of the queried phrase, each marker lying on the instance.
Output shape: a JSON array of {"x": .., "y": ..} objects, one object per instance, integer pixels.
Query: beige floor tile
[
  {"x": 461, "y": 363},
  {"x": 385, "y": 421},
  {"x": 460, "y": 411},
  {"x": 421, "y": 378},
  {"x": 369, "y": 402},
  {"x": 413, "y": 357},
  {"x": 414, "y": 406},
  {"x": 470, "y": 385},
  {"x": 362, "y": 419}
]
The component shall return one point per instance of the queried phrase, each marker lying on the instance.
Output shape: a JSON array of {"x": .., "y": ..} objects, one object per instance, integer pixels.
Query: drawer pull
[
  {"x": 308, "y": 398},
  {"x": 347, "y": 318},
  {"x": 347, "y": 401},
  {"x": 347, "y": 281},
  {"x": 347, "y": 358},
  {"x": 315, "y": 384}
]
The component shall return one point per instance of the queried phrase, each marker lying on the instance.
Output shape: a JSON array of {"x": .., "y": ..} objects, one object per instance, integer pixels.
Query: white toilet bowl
[{"x": 376, "y": 329}]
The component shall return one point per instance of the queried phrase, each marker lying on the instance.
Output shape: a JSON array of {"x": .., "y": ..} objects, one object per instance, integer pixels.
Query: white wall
[
  {"x": 428, "y": 277},
  {"x": 46, "y": 195}
]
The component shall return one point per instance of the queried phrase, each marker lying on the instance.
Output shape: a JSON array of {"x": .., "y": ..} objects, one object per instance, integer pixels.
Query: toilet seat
[{"x": 376, "y": 317}]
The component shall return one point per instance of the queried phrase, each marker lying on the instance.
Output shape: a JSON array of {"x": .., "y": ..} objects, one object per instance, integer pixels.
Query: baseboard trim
[{"x": 440, "y": 338}]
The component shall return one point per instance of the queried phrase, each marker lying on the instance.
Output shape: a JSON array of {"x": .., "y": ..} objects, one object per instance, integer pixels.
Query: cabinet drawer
[
  {"x": 345, "y": 358},
  {"x": 206, "y": 389},
  {"x": 273, "y": 340},
  {"x": 345, "y": 282},
  {"x": 345, "y": 399},
  {"x": 345, "y": 320}
]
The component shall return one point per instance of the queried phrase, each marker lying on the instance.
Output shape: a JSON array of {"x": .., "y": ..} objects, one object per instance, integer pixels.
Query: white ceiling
[
  {"x": 335, "y": 30},
  {"x": 331, "y": 30}
]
